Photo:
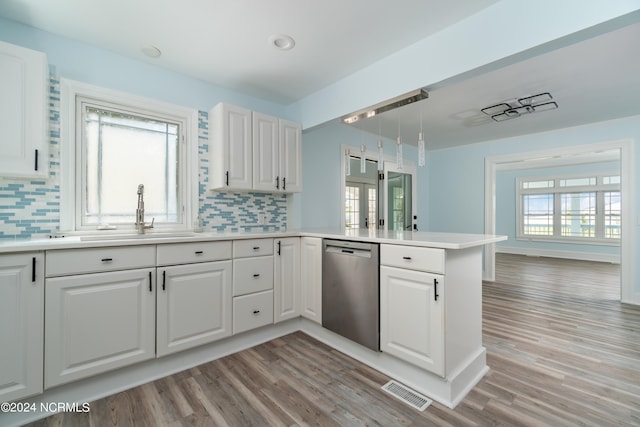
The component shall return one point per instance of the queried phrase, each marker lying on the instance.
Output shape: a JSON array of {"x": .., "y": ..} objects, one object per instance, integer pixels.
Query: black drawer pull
[
  {"x": 256, "y": 248},
  {"x": 199, "y": 252},
  {"x": 408, "y": 258},
  {"x": 33, "y": 269},
  {"x": 106, "y": 259},
  {"x": 256, "y": 312},
  {"x": 255, "y": 276}
]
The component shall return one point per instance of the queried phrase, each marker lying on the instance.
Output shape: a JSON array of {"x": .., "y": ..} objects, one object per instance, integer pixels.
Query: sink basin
[{"x": 136, "y": 236}]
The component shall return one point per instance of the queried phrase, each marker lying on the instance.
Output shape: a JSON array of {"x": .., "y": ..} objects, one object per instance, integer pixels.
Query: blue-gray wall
[{"x": 506, "y": 212}]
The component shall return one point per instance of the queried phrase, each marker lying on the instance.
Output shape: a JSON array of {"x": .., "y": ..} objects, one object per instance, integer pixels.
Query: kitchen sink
[{"x": 145, "y": 236}]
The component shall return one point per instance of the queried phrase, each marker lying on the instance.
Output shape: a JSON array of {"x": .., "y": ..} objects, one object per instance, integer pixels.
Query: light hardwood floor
[{"x": 561, "y": 348}]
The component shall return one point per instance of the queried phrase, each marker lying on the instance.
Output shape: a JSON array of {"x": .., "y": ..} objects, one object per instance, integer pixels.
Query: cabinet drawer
[
  {"x": 252, "y": 311},
  {"x": 252, "y": 275},
  {"x": 252, "y": 247},
  {"x": 188, "y": 253},
  {"x": 413, "y": 258},
  {"x": 79, "y": 261}
]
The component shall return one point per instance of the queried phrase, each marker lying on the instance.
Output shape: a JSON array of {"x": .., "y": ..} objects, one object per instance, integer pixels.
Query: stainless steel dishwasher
[{"x": 351, "y": 291}]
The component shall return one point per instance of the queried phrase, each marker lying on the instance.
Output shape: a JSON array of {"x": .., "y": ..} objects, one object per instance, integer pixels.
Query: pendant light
[
  {"x": 421, "y": 154},
  {"x": 380, "y": 148},
  {"x": 347, "y": 162},
  {"x": 399, "y": 160},
  {"x": 363, "y": 159}
]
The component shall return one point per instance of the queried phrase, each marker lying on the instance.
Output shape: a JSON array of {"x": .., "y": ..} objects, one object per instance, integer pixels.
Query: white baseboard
[{"x": 583, "y": 256}]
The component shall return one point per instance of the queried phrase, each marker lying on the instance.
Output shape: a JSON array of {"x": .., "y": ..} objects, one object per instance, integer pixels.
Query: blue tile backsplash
[{"x": 31, "y": 208}]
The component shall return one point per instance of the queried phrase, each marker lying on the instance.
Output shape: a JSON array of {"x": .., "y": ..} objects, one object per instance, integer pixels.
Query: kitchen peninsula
[{"x": 116, "y": 311}]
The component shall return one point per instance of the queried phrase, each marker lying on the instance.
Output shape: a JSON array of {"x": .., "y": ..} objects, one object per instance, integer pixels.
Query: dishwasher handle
[{"x": 362, "y": 253}]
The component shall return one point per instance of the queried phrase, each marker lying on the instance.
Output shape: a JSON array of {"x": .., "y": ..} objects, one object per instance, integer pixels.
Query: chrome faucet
[{"x": 140, "y": 225}]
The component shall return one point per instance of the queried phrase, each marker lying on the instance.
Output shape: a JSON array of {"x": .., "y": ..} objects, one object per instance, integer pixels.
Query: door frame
[{"x": 371, "y": 155}]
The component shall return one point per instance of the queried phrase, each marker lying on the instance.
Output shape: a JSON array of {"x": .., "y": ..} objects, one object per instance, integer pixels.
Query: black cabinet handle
[
  {"x": 435, "y": 289},
  {"x": 256, "y": 248},
  {"x": 36, "y": 165},
  {"x": 106, "y": 259},
  {"x": 284, "y": 183},
  {"x": 277, "y": 182},
  {"x": 256, "y": 312},
  {"x": 279, "y": 244},
  {"x": 227, "y": 178},
  {"x": 199, "y": 252},
  {"x": 164, "y": 280},
  {"x": 33, "y": 269},
  {"x": 150, "y": 284},
  {"x": 255, "y": 276},
  {"x": 408, "y": 258}
]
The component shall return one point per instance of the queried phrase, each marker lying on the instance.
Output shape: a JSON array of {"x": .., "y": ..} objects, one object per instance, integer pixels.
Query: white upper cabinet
[
  {"x": 253, "y": 151},
  {"x": 290, "y": 156},
  {"x": 266, "y": 137},
  {"x": 230, "y": 148},
  {"x": 23, "y": 112}
]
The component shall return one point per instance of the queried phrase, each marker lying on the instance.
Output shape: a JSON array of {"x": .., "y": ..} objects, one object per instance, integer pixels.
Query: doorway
[
  {"x": 373, "y": 199},
  {"x": 624, "y": 150}
]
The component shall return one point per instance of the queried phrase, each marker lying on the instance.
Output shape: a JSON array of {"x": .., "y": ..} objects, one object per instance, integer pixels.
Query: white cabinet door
[
  {"x": 21, "y": 325},
  {"x": 23, "y": 112},
  {"x": 98, "y": 322},
  {"x": 194, "y": 305},
  {"x": 290, "y": 156},
  {"x": 265, "y": 153},
  {"x": 412, "y": 317},
  {"x": 230, "y": 148},
  {"x": 311, "y": 278},
  {"x": 287, "y": 278}
]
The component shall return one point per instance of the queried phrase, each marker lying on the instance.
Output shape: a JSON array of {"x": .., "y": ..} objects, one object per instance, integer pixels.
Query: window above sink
[{"x": 110, "y": 143}]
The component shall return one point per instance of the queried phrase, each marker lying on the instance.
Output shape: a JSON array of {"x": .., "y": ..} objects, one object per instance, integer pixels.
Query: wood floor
[{"x": 561, "y": 348}]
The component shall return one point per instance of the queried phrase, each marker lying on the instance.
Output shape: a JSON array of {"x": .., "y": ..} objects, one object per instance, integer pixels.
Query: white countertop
[{"x": 409, "y": 238}]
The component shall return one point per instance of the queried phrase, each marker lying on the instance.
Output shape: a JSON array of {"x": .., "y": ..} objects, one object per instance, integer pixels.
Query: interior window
[
  {"x": 121, "y": 150},
  {"x": 113, "y": 142}
]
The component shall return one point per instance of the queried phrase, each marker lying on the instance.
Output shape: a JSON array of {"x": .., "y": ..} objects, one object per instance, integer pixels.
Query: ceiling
[
  {"x": 226, "y": 42},
  {"x": 593, "y": 80}
]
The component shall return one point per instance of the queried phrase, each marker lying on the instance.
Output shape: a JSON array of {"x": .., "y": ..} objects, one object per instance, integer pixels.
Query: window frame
[
  {"x": 71, "y": 158},
  {"x": 557, "y": 191}
]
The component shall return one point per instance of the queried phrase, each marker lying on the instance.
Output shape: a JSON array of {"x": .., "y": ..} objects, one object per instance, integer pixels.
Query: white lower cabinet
[
  {"x": 21, "y": 325},
  {"x": 412, "y": 317},
  {"x": 98, "y": 322},
  {"x": 252, "y": 311},
  {"x": 311, "y": 278},
  {"x": 286, "y": 279},
  {"x": 193, "y": 305}
]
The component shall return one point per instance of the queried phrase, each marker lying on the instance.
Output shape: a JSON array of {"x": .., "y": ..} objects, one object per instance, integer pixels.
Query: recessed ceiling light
[
  {"x": 282, "y": 41},
  {"x": 151, "y": 51}
]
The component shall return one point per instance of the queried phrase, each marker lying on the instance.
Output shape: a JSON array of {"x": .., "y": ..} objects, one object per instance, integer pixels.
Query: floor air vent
[{"x": 407, "y": 395}]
